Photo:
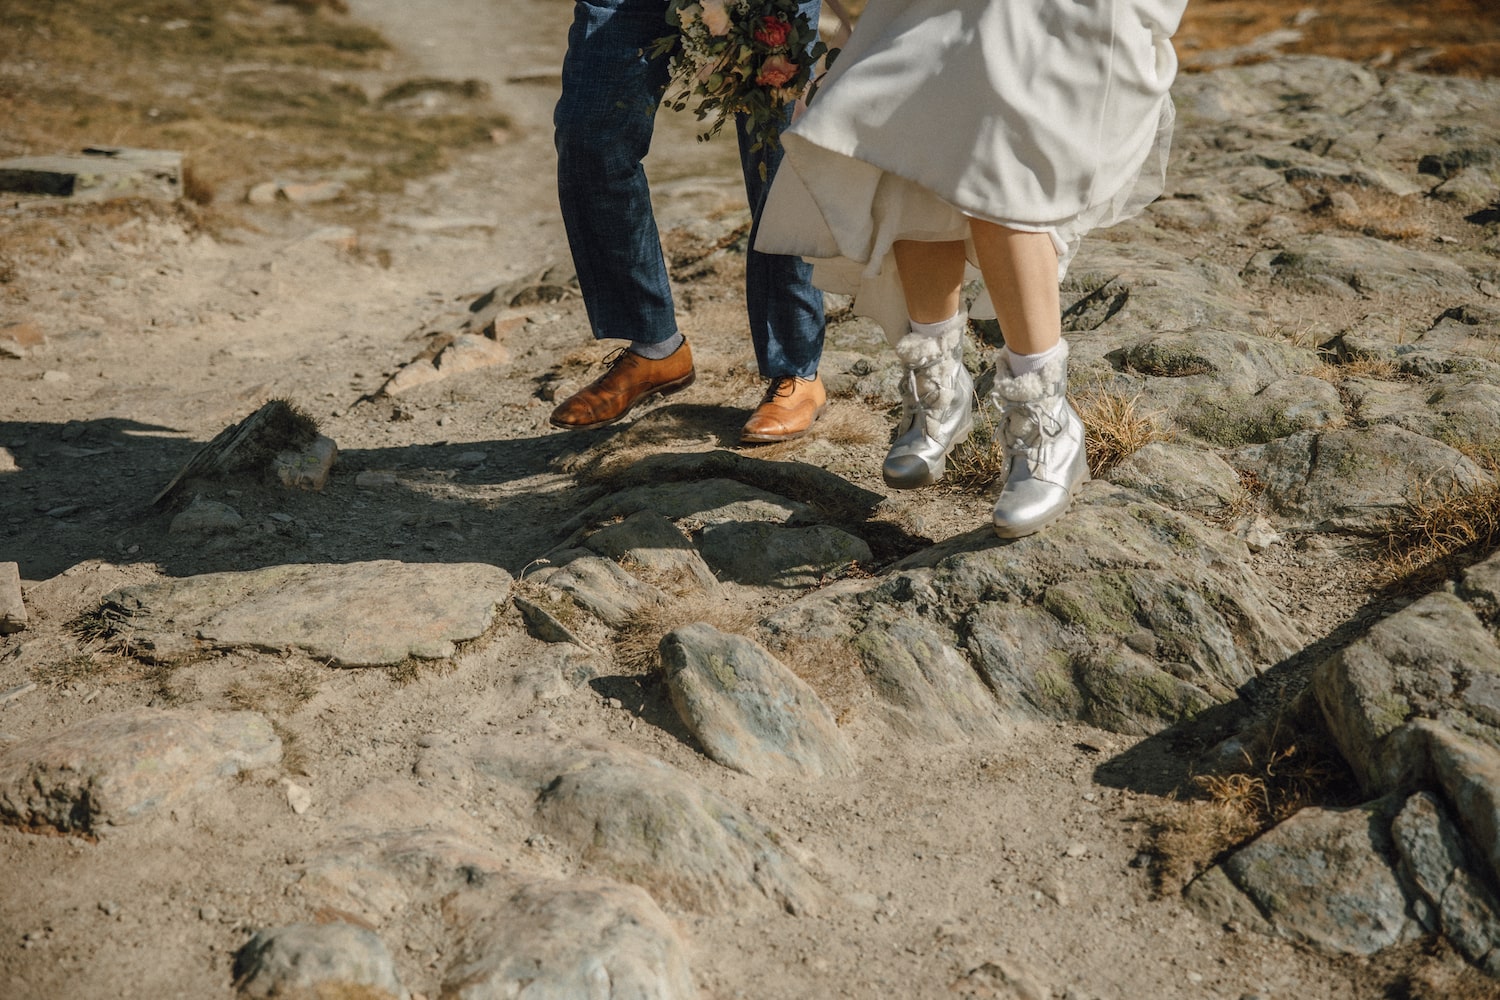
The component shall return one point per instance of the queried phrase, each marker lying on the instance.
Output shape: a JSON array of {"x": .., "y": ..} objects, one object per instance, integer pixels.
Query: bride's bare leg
[
  {"x": 1039, "y": 430},
  {"x": 932, "y": 276},
  {"x": 1020, "y": 270}
]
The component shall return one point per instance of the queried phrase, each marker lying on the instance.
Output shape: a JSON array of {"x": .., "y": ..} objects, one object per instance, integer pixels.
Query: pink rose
[
  {"x": 776, "y": 71},
  {"x": 773, "y": 31}
]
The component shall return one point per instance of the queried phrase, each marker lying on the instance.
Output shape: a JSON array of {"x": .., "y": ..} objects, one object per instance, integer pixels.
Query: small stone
[
  {"x": 263, "y": 193},
  {"x": 209, "y": 914},
  {"x": 109, "y": 908},
  {"x": 13, "y": 615},
  {"x": 206, "y": 517},
  {"x": 52, "y": 375},
  {"x": 309, "y": 467},
  {"x": 310, "y": 194},
  {"x": 299, "y": 798},
  {"x": 1076, "y": 851},
  {"x": 372, "y": 479},
  {"x": 1259, "y": 535}
]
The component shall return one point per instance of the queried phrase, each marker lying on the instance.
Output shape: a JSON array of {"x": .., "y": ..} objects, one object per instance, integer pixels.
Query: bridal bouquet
[{"x": 750, "y": 57}]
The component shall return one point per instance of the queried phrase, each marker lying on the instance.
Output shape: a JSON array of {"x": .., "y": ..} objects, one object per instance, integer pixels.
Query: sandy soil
[{"x": 1027, "y": 853}]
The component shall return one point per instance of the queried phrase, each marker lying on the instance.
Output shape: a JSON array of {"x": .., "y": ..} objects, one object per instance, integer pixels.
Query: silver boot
[
  {"x": 1043, "y": 441},
  {"x": 937, "y": 408}
]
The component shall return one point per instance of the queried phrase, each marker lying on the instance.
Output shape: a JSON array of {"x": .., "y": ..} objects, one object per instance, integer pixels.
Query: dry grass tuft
[
  {"x": 1243, "y": 503},
  {"x": 1380, "y": 369},
  {"x": 975, "y": 464},
  {"x": 852, "y": 426},
  {"x": 1291, "y": 767},
  {"x": 1438, "y": 535},
  {"x": 1373, "y": 212},
  {"x": 1115, "y": 427},
  {"x": 412, "y": 669},
  {"x": 1297, "y": 334},
  {"x": 636, "y": 642}
]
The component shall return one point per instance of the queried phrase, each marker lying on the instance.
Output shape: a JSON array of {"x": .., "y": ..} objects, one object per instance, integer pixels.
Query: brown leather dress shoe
[
  {"x": 630, "y": 379},
  {"x": 787, "y": 410}
]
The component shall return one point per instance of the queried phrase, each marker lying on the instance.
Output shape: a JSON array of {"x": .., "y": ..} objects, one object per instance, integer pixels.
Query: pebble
[
  {"x": 52, "y": 375},
  {"x": 109, "y": 908},
  {"x": 299, "y": 798}
]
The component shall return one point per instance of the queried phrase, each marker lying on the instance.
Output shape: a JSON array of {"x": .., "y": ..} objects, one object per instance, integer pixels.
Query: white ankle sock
[
  {"x": 660, "y": 349},
  {"x": 1025, "y": 364},
  {"x": 957, "y": 321}
]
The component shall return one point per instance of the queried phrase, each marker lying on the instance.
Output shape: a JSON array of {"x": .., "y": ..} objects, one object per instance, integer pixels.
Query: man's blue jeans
[{"x": 604, "y": 121}]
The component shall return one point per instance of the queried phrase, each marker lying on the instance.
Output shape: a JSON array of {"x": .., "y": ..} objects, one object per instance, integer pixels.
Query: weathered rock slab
[
  {"x": 1322, "y": 878},
  {"x": 762, "y": 554},
  {"x": 653, "y": 546},
  {"x": 317, "y": 960},
  {"x": 636, "y": 819},
  {"x": 1179, "y": 476},
  {"x": 1124, "y": 614},
  {"x": 355, "y": 614},
  {"x": 1435, "y": 864},
  {"x": 748, "y": 711},
  {"x": 1433, "y": 660},
  {"x": 117, "y": 769},
  {"x": 598, "y": 585},
  {"x": 1357, "y": 479}
]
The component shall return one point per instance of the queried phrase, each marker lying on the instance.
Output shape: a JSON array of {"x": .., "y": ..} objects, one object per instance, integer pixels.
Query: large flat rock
[
  {"x": 126, "y": 767},
  {"x": 358, "y": 614}
]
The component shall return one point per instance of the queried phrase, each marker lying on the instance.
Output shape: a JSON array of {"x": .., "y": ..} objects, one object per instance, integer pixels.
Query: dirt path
[{"x": 953, "y": 869}]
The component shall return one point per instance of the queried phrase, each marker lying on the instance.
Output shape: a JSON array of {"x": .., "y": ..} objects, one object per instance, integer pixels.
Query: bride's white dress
[{"x": 1042, "y": 115}]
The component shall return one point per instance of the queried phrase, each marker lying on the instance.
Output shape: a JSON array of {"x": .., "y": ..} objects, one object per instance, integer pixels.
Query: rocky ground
[{"x": 495, "y": 711}]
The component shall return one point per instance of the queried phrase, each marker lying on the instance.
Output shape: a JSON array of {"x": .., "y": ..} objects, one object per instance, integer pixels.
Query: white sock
[
  {"x": 1025, "y": 364},
  {"x": 659, "y": 350},
  {"x": 958, "y": 321}
]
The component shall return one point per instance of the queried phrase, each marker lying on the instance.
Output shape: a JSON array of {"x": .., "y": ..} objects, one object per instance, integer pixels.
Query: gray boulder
[
  {"x": 578, "y": 940},
  {"x": 1123, "y": 614},
  {"x": 126, "y": 767},
  {"x": 1432, "y": 660},
  {"x": 1322, "y": 878},
  {"x": 1451, "y": 898},
  {"x": 1179, "y": 476},
  {"x": 748, "y": 711},
  {"x": 635, "y": 818}
]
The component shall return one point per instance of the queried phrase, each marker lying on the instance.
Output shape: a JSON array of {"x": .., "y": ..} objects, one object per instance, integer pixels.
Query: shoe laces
[
  {"x": 619, "y": 356},
  {"x": 1024, "y": 425},
  {"x": 781, "y": 385}
]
